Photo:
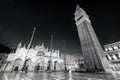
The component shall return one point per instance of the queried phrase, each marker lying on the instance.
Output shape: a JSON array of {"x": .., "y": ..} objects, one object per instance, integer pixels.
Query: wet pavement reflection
[{"x": 62, "y": 76}]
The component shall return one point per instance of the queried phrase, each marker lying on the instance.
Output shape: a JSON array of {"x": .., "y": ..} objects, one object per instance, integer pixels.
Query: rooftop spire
[
  {"x": 24, "y": 46},
  {"x": 42, "y": 44},
  {"x": 77, "y": 7},
  {"x": 80, "y": 14},
  {"x": 20, "y": 44}
]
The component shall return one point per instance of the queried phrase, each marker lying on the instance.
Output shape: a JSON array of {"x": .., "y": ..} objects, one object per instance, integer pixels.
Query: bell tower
[{"x": 94, "y": 56}]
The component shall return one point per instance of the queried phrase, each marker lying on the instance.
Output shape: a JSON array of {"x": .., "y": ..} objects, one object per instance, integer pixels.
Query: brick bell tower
[{"x": 94, "y": 56}]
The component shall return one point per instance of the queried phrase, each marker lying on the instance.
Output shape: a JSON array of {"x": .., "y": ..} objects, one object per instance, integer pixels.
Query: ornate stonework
[{"x": 38, "y": 58}]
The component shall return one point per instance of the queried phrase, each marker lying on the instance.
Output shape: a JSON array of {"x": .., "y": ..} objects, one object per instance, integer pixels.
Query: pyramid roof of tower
[{"x": 77, "y": 8}]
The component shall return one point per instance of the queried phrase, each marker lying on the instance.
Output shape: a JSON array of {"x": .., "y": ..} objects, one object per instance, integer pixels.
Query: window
[
  {"x": 111, "y": 57},
  {"x": 117, "y": 56},
  {"x": 110, "y": 49},
  {"x": 115, "y": 47},
  {"x": 79, "y": 18},
  {"x": 107, "y": 57},
  {"x": 106, "y": 49},
  {"x": 41, "y": 53},
  {"x": 114, "y": 57}
]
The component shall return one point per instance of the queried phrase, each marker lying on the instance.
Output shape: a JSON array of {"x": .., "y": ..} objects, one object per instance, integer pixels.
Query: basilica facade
[{"x": 36, "y": 58}]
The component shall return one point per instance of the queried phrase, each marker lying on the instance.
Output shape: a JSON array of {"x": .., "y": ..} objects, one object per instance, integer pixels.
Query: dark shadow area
[{"x": 4, "y": 49}]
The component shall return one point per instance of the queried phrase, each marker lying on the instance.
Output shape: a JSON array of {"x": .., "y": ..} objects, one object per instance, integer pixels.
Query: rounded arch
[
  {"x": 8, "y": 66},
  {"x": 28, "y": 62},
  {"x": 40, "y": 53},
  {"x": 28, "y": 59},
  {"x": 49, "y": 64},
  {"x": 40, "y": 64},
  {"x": 17, "y": 64},
  {"x": 17, "y": 61},
  {"x": 56, "y": 65},
  {"x": 40, "y": 60}
]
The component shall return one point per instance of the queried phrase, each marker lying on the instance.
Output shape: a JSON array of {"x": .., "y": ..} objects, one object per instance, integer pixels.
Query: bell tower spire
[{"x": 95, "y": 59}]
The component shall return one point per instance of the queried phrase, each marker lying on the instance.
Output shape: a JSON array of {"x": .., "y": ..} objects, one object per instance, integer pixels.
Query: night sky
[{"x": 56, "y": 17}]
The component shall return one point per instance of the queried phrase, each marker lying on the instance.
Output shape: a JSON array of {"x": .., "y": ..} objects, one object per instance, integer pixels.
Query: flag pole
[
  {"x": 28, "y": 47},
  {"x": 65, "y": 54},
  {"x": 51, "y": 45},
  {"x": 51, "y": 50}
]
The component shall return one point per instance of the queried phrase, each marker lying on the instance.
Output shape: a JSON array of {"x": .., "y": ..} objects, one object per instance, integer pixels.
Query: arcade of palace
[
  {"x": 112, "y": 52},
  {"x": 37, "y": 58}
]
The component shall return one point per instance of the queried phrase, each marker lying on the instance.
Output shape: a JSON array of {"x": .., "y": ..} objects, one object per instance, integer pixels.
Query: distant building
[
  {"x": 70, "y": 62},
  {"x": 112, "y": 52},
  {"x": 75, "y": 62},
  {"x": 36, "y": 58},
  {"x": 80, "y": 63}
]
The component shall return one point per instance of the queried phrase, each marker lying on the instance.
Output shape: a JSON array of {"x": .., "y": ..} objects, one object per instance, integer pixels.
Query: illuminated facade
[
  {"x": 36, "y": 58},
  {"x": 81, "y": 63},
  {"x": 71, "y": 62},
  {"x": 112, "y": 52}
]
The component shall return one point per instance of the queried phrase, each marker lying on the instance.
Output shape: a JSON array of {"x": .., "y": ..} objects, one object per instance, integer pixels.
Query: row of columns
[
  {"x": 115, "y": 67},
  {"x": 113, "y": 57}
]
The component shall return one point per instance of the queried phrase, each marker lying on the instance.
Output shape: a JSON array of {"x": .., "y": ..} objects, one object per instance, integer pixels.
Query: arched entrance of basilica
[
  {"x": 56, "y": 65},
  {"x": 40, "y": 64},
  {"x": 27, "y": 65},
  {"x": 8, "y": 66},
  {"x": 49, "y": 65},
  {"x": 17, "y": 64}
]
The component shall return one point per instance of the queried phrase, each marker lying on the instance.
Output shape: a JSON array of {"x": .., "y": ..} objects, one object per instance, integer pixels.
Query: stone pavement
[
  {"x": 14, "y": 76},
  {"x": 56, "y": 76}
]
